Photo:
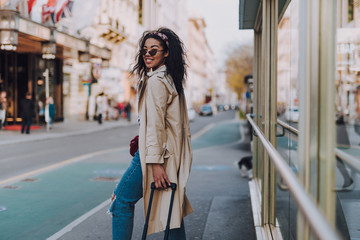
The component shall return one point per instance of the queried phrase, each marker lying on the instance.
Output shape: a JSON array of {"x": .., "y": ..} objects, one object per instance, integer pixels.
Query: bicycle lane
[
  {"x": 222, "y": 139},
  {"x": 38, "y": 206}
]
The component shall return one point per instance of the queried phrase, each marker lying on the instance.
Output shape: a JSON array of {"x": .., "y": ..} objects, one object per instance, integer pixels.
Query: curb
[{"x": 60, "y": 135}]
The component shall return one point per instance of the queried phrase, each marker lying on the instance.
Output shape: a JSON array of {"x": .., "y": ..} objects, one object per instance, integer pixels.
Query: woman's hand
[{"x": 160, "y": 178}]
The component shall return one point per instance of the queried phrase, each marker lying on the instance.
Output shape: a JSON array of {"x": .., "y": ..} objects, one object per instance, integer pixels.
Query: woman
[{"x": 164, "y": 153}]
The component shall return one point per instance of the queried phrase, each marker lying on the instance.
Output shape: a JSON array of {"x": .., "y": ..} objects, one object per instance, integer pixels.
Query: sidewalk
[{"x": 61, "y": 129}]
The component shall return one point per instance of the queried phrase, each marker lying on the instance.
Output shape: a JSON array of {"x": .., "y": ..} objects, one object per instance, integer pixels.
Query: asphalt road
[
  {"x": 17, "y": 159},
  {"x": 57, "y": 192}
]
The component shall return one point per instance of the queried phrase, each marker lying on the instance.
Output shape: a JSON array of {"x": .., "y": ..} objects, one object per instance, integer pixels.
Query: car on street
[
  {"x": 191, "y": 114},
  {"x": 292, "y": 114},
  {"x": 206, "y": 110}
]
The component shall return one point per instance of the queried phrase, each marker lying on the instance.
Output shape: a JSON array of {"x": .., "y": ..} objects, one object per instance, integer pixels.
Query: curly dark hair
[{"x": 175, "y": 62}]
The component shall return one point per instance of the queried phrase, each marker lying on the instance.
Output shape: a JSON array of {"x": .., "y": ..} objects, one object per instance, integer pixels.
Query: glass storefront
[
  {"x": 23, "y": 72},
  {"x": 347, "y": 119}
]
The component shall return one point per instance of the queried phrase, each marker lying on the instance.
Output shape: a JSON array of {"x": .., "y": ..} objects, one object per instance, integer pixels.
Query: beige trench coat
[{"x": 164, "y": 137}]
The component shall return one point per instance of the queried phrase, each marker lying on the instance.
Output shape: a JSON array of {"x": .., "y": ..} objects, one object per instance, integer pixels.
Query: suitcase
[{"x": 173, "y": 189}]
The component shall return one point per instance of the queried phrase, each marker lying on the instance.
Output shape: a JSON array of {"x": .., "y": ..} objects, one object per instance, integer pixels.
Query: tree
[{"x": 239, "y": 63}]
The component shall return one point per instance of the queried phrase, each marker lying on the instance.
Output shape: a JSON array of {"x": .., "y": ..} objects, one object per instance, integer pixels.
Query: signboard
[
  {"x": 70, "y": 41},
  {"x": 34, "y": 29}
]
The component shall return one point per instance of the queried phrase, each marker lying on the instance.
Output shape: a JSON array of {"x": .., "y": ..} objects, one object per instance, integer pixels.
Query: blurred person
[
  {"x": 357, "y": 116},
  {"x": 164, "y": 154},
  {"x": 128, "y": 111},
  {"x": 119, "y": 107},
  {"x": 342, "y": 139},
  {"x": 357, "y": 101},
  {"x": 3, "y": 107},
  {"x": 50, "y": 102},
  {"x": 27, "y": 113},
  {"x": 100, "y": 106}
]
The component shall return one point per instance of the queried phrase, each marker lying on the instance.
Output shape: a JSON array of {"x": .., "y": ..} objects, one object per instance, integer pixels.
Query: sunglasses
[{"x": 152, "y": 52}]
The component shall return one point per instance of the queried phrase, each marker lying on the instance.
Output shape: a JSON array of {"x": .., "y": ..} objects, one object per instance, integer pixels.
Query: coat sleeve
[{"x": 156, "y": 106}]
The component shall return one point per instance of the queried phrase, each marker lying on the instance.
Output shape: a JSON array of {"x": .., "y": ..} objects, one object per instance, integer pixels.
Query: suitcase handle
[
  {"x": 173, "y": 189},
  {"x": 172, "y": 186}
]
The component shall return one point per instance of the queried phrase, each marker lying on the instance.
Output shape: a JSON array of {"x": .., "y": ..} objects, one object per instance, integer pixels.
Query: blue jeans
[{"x": 128, "y": 192}]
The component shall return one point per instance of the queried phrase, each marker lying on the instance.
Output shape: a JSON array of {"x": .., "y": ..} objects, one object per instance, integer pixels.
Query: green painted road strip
[
  {"x": 68, "y": 190},
  {"x": 36, "y": 210},
  {"x": 219, "y": 134}
]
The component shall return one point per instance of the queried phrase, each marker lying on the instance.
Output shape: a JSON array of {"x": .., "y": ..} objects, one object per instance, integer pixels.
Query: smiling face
[{"x": 158, "y": 59}]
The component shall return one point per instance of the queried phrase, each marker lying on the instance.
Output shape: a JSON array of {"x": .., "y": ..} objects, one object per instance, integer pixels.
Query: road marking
[
  {"x": 2, "y": 208},
  {"x": 202, "y": 131},
  {"x": 78, "y": 221},
  {"x": 210, "y": 167},
  {"x": 60, "y": 164},
  {"x": 25, "y": 155}
]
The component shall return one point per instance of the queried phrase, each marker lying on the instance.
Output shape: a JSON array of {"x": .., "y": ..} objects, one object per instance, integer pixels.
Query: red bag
[{"x": 134, "y": 145}]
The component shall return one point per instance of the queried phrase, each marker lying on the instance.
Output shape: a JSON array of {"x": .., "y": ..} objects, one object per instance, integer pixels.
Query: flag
[
  {"x": 48, "y": 10},
  {"x": 61, "y": 6},
  {"x": 3, "y": 2},
  {"x": 30, "y": 5},
  {"x": 67, "y": 10}
]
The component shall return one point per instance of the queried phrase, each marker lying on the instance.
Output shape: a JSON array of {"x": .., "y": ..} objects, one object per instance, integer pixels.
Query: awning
[{"x": 249, "y": 9}]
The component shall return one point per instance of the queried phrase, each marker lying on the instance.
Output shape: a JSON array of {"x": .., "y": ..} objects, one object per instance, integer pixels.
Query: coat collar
[{"x": 160, "y": 71}]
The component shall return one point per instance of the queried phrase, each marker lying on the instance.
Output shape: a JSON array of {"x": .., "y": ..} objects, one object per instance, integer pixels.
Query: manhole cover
[
  {"x": 106, "y": 179},
  {"x": 29, "y": 180},
  {"x": 11, "y": 187},
  {"x": 2, "y": 208}
]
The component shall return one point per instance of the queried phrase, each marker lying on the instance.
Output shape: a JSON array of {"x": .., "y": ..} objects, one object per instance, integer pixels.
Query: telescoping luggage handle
[{"x": 166, "y": 236}]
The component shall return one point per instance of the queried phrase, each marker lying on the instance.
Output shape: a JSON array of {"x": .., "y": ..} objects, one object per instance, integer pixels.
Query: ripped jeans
[{"x": 128, "y": 192}]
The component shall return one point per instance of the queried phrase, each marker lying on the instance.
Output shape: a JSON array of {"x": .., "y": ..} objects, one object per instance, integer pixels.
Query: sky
[{"x": 222, "y": 20}]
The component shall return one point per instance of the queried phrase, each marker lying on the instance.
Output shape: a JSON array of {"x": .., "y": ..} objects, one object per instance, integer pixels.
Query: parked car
[
  {"x": 221, "y": 108},
  {"x": 206, "y": 110},
  {"x": 191, "y": 114},
  {"x": 292, "y": 114}
]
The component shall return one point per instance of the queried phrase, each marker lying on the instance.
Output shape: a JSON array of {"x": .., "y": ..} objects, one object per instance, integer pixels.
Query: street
[{"x": 46, "y": 185}]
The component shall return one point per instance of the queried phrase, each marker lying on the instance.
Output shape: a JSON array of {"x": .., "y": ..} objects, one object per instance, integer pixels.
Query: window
[
  {"x": 350, "y": 10},
  {"x": 141, "y": 12}
]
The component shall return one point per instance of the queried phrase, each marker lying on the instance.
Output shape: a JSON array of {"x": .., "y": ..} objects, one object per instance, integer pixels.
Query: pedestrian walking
[
  {"x": 357, "y": 108},
  {"x": 52, "y": 111},
  {"x": 3, "y": 106},
  {"x": 342, "y": 138},
  {"x": 128, "y": 111},
  {"x": 164, "y": 154},
  {"x": 100, "y": 106},
  {"x": 28, "y": 112}
]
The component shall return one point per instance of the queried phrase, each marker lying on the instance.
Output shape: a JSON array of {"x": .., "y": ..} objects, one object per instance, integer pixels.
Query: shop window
[
  {"x": 140, "y": 12},
  {"x": 350, "y": 10}
]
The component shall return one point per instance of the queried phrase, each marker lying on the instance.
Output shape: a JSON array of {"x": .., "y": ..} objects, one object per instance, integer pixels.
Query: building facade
[
  {"x": 348, "y": 59},
  {"x": 29, "y": 47},
  {"x": 202, "y": 64},
  {"x": 93, "y": 51}
]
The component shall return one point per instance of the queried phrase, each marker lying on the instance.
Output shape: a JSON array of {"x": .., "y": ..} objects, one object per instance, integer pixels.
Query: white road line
[
  {"x": 81, "y": 219},
  {"x": 202, "y": 131},
  {"x": 57, "y": 165},
  {"x": 78, "y": 221}
]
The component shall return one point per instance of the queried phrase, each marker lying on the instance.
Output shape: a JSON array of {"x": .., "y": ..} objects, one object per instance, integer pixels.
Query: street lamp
[
  {"x": 48, "y": 48},
  {"x": 9, "y": 27}
]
